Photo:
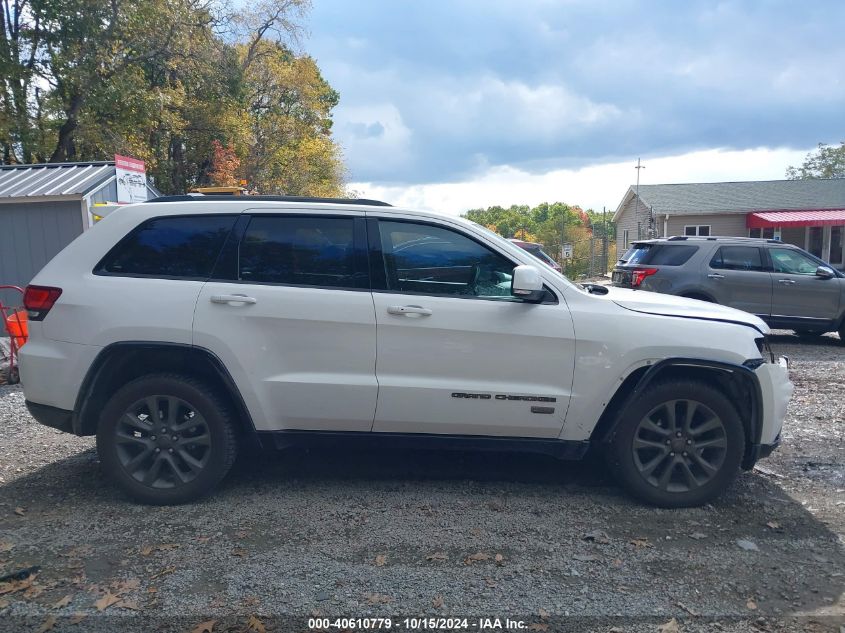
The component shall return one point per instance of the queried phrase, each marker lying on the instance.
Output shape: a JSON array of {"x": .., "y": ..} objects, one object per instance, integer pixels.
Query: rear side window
[
  {"x": 183, "y": 246},
  {"x": 738, "y": 258},
  {"x": 304, "y": 251},
  {"x": 659, "y": 254}
]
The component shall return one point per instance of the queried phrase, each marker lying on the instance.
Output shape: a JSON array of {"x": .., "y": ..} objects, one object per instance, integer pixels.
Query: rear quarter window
[{"x": 183, "y": 246}]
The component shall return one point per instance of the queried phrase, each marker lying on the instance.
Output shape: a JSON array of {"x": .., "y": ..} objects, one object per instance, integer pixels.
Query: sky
[{"x": 455, "y": 104}]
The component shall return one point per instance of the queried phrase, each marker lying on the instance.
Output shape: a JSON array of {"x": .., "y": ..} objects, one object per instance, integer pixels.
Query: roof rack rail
[
  {"x": 714, "y": 238},
  {"x": 195, "y": 197}
]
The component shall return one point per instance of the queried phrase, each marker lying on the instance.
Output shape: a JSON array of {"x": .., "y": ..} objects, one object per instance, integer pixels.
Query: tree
[
  {"x": 826, "y": 161},
  {"x": 173, "y": 82},
  {"x": 224, "y": 165}
]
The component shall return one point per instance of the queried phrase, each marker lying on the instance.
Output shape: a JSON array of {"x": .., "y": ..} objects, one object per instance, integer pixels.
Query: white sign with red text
[{"x": 131, "y": 179}]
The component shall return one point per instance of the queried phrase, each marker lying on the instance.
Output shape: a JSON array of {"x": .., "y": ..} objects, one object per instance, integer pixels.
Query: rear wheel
[
  {"x": 166, "y": 439},
  {"x": 680, "y": 444}
]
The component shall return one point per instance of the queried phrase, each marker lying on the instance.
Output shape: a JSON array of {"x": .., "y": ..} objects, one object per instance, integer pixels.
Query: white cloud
[{"x": 589, "y": 187}]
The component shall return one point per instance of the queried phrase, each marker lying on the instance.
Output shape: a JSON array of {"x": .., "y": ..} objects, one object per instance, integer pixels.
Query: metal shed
[{"x": 43, "y": 208}]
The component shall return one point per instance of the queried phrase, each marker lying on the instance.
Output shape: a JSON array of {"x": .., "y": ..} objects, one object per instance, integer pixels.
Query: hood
[{"x": 670, "y": 305}]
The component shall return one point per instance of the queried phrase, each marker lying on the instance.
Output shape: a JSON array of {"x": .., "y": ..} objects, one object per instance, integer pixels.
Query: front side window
[
  {"x": 792, "y": 262},
  {"x": 432, "y": 260},
  {"x": 738, "y": 258},
  {"x": 302, "y": 251},
  {"x": 183, "y": 246}
]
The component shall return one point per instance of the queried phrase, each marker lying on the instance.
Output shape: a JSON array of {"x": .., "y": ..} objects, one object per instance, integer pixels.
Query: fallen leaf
[
  {"x": 491, "y": 583},
  {"x": 543, "y": 613},
  {"x": 749, "y": 546},
  {"x": 106, "y": 601},
  {"x": 128, "y": 604},
  {"x": 254, "y": 624},
  {"x": 670, "y": 627},
  {"x": 436, "y": 556},
  {"x": 63, "y": 602},
  {"x": 152, "y": 590},
  {"x": 4, "y": 603},
  {"x": 472, "y": 558},
  {"x": 204, "y": 627},
  {"x": 250, "y": 601},
  {"x": 76, "y": 618},
  {"x": 437, "y": 603},
  {"x": 640, "y": 541},
  {"x": 20, "y": 511},
  {"x": 147, "y": 550},
  {"x": 378, "y": 598},
  {"x": 163, "y": 572},
  {"x": 48, "y": 625},
  {"x": 773, "y": 524},
  {"x": 698, "y": 535},
  {"x": 751, "y": 604},
  {"x": 17, "y": 585},
  {"x": 596, "y": 536},
  {"x": 585, "y": 557},
  {"x": 240, "y": 552},
  {"x": 124, "y": 586},
  {"x": 618, "y": 562},
  {"x": 500, "y": 559},
  {"x": 204, "y": 539},
  {"x": 538, "y": 626},
  {"x": 381, "y": 559},
  {"x": 5, "y": 546}
]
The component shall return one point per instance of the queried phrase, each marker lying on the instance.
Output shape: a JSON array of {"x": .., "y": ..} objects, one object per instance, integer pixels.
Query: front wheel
[
  {"x": 680, "y": 444},
  {"x": 166, "y": 439}
]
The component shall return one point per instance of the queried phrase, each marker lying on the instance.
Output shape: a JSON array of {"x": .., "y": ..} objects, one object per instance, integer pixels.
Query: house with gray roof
[
  {"x": 807, "y": 213},
  {"x": 43, "y": 207}
]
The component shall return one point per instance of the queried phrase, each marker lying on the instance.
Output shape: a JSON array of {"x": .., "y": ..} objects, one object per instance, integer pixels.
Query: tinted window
[
  {"x": 306, "y": 251},
  {"x": 738, "y": 258},
  {"x": 790, "y": 261},
  {"x": 659, "y": 254},
  {"x": 185, "y": 246},
  {"x": 428, "y": 259}
]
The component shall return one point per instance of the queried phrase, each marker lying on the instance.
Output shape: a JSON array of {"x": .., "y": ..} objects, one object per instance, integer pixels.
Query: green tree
[{"x": 826, "y": 161}]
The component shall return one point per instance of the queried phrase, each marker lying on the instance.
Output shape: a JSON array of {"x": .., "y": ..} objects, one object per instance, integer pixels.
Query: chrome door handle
[
  {"x": 401, "y": 310},
  {"x": 786, "y": 281},
  {"x": 715, "y": 276},
  {"x": 232, "y": 299}
]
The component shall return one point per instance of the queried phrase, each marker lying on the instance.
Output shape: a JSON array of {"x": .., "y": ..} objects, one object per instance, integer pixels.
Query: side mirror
[
  {"x": 527, "y": 284},
  {"x": 825, "y": 272}
]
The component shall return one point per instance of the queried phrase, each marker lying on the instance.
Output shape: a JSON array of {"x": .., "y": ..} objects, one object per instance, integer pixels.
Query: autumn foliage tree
[
  {"x": 173, "y": 82},
  {"x": 224, "y": 165}
]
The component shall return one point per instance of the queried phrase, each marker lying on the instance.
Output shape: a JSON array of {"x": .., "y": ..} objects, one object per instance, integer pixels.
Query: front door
[
  {"x": 798, "y": 292},
  {"x": 291, "y": 315},
  {"x": 457, "y": 353},
  {"x": 737, "y": 277}
]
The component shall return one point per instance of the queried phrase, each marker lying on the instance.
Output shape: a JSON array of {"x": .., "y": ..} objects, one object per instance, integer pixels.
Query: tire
[
  {"x": 193, "y": 456},
  {"x": 642, "y": 467}
]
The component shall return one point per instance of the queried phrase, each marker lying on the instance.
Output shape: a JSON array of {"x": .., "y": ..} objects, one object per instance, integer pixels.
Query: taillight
[
  {"x": 638, "y": 275},
  {"x": 39, "y": 300}
]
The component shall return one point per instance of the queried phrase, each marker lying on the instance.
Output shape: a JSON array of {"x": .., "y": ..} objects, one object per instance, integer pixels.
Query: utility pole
[{"x": 637, "y": 211}]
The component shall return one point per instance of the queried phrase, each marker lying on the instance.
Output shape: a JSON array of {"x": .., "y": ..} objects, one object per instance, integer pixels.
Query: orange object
[{"x": 18, "y": 328}]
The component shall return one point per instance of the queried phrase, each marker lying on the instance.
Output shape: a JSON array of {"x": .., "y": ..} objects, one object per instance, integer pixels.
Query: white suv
[{"x": 178, "y": 329}]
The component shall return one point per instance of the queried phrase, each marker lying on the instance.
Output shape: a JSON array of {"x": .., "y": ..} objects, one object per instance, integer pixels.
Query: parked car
[
  {"x": 782, "y": 284},
  {"x": 180, "y": 329},
  {"x": 537, "y": 251}
]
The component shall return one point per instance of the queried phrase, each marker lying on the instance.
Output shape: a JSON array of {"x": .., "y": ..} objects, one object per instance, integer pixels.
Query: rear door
[
  {"x": 457, "y": 353},
  {"x": 289, "y": 311},
  {"x": 737, "y": 276},
  {"x": 798, "y": 291}
]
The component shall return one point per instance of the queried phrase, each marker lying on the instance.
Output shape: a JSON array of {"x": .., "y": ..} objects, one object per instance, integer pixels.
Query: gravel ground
[{"x": 327, "y": 533}]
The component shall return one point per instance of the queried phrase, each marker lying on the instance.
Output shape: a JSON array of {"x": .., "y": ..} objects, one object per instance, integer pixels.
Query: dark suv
[{"x": 782, "y": 284}]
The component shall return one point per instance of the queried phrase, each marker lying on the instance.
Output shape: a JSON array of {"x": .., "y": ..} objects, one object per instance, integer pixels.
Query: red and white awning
[{"x": 817, "y": 217}]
